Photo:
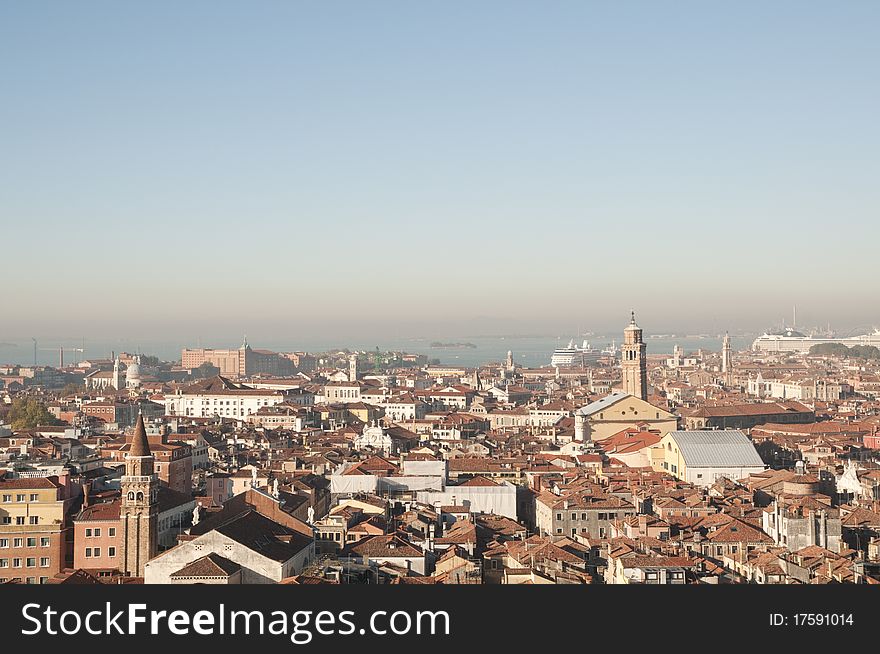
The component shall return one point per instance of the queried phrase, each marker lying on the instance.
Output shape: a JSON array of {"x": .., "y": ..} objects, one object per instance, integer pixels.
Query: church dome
[{"x": 133, "y": 371}]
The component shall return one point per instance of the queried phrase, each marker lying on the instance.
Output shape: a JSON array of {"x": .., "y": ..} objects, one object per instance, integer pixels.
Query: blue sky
[{"x": 434, "y": 167}]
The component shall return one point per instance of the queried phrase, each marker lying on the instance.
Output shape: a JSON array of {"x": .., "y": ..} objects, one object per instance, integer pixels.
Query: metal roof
[
  {"x": 604, "y": 403},
  {"x": 716, "y": 448}
]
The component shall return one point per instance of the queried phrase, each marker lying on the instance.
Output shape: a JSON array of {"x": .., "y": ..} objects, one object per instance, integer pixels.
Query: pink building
[{"x": 97, "y": 538}]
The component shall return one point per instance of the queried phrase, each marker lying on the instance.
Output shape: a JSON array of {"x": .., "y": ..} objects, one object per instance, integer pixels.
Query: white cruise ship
[
  {"x": 790, "y": 340},
  {"x": 576, "y": 355}
]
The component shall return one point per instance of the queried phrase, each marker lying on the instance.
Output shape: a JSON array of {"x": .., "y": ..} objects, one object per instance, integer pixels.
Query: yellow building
[
  {"x": 366, "y": 413},
  {"x": 32, "y": 531},
  {"x": 618, "y": 411}
]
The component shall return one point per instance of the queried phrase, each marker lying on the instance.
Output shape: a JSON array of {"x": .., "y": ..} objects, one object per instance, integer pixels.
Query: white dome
[{"x": 133, "y": 371}]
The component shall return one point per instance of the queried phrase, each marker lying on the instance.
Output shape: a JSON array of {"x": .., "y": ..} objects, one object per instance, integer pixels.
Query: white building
[
  {"x": 248, "y": 549},
  {"x": 220, "y": 397},
  {"x": 702, "y": 457}
]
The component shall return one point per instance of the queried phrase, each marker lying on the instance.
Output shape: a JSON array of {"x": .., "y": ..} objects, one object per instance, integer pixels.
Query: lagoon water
[{"x": 530, "y": 351}]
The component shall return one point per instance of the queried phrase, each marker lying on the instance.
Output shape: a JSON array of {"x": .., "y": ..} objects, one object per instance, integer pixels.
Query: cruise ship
[
  {"x": 577, "y": 355},
  {"x": 791, "y": 340}
]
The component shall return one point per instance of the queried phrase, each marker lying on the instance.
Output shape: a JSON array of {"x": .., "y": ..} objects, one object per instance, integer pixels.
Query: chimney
[{"x": 86, "y": 487}]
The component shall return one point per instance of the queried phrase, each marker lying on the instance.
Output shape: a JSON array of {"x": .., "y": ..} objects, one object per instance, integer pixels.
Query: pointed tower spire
[{"x": 140, "y": 445}]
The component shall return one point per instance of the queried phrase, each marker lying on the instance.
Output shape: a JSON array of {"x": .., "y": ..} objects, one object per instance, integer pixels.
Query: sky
[{"x": 436, "y": 167}]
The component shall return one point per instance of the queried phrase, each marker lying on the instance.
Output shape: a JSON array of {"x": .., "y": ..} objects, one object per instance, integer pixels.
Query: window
[
  {"x": 33, "y": 519},
  {"x": 574, "y": 516},
  {"x": 559, "y": 530},
  {"x": 5, "y": 520},
  {"x": 20, "y": 497},
  {"x": 44, "y": 562},
  {"x": 111, "y": 551},
  {"x": 31, "y": 562},
  {"x": 4, "y": 542},
  {"x": 88, "y": 552},
  {"x": 559, "y": 516},
  {"x": 44, "y": 542},
  {"x": 17, "y": 542},
  {"x": 16, "y": 563},
  {"x": 19, "y": 519},
  {"x": 97, "y": 551},
  {"x": 583, "y": 516},
  {"x": 97, "y": 531},
  {"x": 33, "y": 497},
  {"x": 88, "y": 533},
  {"x": 7, "y": 498},
  {"x": 112, "y": 531},
  {"x": 31, "y": 542},
  {"x": 4, "y": 563}
]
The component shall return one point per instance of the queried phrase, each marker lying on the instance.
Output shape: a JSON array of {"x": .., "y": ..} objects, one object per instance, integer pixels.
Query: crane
[{"x": 60, "y": 352}]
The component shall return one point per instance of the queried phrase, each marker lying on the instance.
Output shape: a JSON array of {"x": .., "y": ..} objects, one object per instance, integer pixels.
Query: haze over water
[{"x": 530, "y": 351}]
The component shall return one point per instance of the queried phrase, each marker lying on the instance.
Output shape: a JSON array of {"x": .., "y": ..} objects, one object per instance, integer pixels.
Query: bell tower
[
  {"x": 633, "y": 361},
  {"x": 139, "y": 512},
  {"x": 726, "y": 351},
  {"x": 352, "y": 367}
]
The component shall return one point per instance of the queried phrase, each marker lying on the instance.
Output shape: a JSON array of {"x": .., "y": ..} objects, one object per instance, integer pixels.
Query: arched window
[
  {"x": 131, "y": 496},
  {"x": 140, "y": 497}
]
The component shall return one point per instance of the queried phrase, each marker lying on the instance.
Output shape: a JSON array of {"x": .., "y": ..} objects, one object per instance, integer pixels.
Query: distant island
[{"x": 438, "y": 344}]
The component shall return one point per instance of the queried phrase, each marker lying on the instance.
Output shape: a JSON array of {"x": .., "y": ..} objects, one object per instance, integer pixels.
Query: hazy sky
[{"x": 220, "y": 167}]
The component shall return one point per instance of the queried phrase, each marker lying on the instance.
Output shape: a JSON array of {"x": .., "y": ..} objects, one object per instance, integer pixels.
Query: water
[{"x": 530, "y": 351}]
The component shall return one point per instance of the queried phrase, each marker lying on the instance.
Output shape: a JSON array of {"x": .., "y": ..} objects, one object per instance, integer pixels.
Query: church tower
[
  {"x": 352, "y": 367},
  {"x": 139, "y": 512},
  {"x": 117, "y": 374},
  {"x": 726, "y": 354},
  {"x": 633, "y": 361}
]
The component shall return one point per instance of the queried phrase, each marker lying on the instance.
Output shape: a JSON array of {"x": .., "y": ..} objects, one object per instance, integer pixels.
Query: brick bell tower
[
  {"x": 139, "y": 512},
  {"x": 633, "y": 361}
]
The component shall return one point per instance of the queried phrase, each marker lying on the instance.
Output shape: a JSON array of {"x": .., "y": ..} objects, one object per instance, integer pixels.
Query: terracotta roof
[
  {"x": 212, "y": 565},
  {"x": 25, "y": 483},
  {"x": 102, "y": 511}
]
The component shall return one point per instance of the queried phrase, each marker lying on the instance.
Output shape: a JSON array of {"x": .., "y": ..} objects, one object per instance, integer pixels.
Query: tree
[
  {"x": 207, "y": 369},
  {"x": 841, "y": 350},
  {"x": 27, "y": 413},
  {"x": 72, "y": 389}
]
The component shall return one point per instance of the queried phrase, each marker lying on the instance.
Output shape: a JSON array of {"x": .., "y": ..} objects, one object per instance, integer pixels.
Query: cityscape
[
  {"x": 603, "y": 466},
  {"x": 412, "y": 302}
]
